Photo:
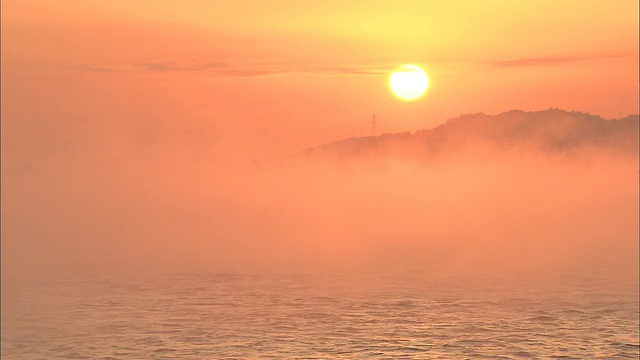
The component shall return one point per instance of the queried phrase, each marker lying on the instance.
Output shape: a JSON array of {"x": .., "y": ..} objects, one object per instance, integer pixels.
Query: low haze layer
[{"x": 519, "y": 193}]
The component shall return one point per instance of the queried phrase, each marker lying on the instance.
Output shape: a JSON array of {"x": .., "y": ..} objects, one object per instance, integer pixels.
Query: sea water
[{"x": 366, "y": 316}]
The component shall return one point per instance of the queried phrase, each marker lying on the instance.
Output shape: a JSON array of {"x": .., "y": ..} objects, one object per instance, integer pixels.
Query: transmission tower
[{"x": 373, "y": 126}]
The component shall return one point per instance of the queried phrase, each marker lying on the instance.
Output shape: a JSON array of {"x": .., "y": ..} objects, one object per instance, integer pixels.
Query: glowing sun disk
[{"x": 408, "y": 82}]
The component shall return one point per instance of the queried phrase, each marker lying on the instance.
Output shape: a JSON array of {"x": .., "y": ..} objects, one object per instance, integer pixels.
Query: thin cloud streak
[
  {"x": 550, "y": 61},
  {"x": 227, "y": 69},
  {"x": 274, "y": 68}
]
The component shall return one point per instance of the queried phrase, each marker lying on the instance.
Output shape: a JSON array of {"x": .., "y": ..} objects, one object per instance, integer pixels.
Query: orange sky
[{"x": 292, "y": 74}]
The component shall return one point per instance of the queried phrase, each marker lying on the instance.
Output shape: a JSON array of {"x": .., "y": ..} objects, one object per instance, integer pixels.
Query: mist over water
[
  {"x": 375, "y": 253},
  {"x": 475, "y": 209},
  {"x": 195, "y": 180}
]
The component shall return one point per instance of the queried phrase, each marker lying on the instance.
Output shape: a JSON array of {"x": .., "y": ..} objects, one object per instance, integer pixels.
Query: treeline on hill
[{"x": 552, "y": 131}]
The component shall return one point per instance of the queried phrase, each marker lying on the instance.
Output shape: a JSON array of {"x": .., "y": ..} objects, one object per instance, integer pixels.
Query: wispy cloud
[
  {"x": 191, "y": 65},
  {"x": 239, "y": 69},
  {"x": 551, "y": 60}
]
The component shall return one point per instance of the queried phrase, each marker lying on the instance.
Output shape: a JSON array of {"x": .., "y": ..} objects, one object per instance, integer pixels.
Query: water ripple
[{"x": 259, "y": 317}]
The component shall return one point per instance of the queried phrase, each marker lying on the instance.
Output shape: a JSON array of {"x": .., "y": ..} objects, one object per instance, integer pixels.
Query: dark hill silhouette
[{"x": 549, "y": 131}]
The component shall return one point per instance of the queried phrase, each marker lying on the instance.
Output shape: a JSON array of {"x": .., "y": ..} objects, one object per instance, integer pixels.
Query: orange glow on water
[{"x": 198, "y": 179}]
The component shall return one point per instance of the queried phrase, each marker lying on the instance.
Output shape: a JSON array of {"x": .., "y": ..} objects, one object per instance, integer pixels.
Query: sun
[{"x": 408, "y": 82}]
